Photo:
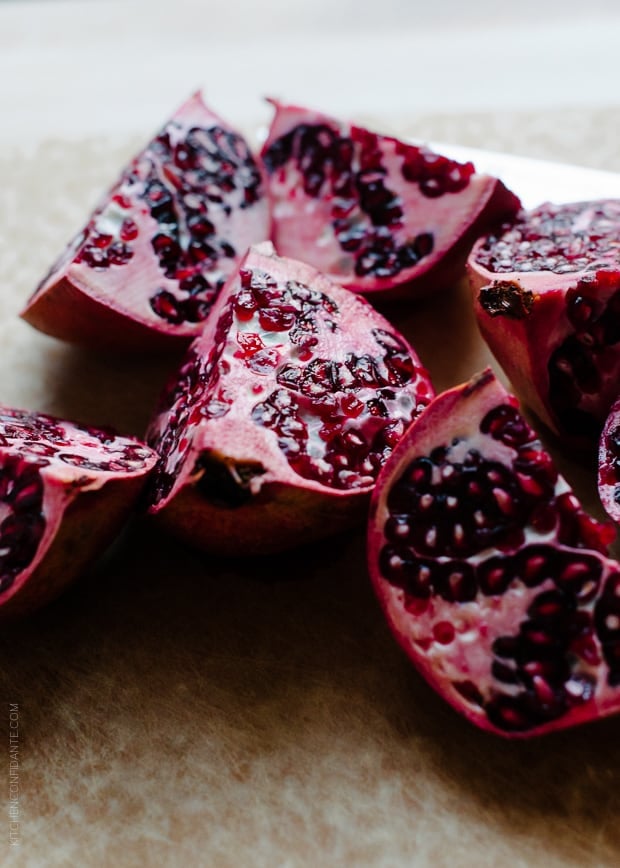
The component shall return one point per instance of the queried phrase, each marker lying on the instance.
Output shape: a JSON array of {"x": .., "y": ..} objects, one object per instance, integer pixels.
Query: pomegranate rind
[
  {"x": 524, "y": 316},
  {"x": 609, "y": 464},
  {"x": 83, "y": 484},
  {"x": 464, "y": 654},
  {"x": 303, "y": 225},
  {"x": 282, "y": 518},
  {"x": 288, "y": 502},
  {"x": 114, "y": 306}
]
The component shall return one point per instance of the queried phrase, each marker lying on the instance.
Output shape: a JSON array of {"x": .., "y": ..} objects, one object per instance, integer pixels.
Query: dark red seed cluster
[
  {"x": 542, "y": 666},
  {"x": 335, "y": 392},
  {"x": 576, "y": 366},
  {"x": 182, "y": 402},
  {"x": 350, "y": 171},
  {"x": 610, "y": 470},
  {"x": 23, "y": 524},
  {"x": 201, "y": 174},
  {"x": 460, "y": 506},
  {"x": 186, "y": 186},
  {"x": 101, "y": 251},
  {"x": 435, "y": 174}
]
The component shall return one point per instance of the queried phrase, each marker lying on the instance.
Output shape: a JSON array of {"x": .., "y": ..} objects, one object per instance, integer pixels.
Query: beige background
[{"x": 177, "y": 710}]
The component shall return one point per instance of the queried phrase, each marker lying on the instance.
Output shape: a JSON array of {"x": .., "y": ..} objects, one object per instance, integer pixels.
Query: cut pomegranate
[
  {"x": 146, "y": 269},
  {"x": 493, "y": 579},
  {"x": 65, "y": 491},
  {"x": 283, "y": 412},
  {"x": 609, "y": 464},
  {"x": 375, "y": 214},
  {"x": 547, "y": 297}
]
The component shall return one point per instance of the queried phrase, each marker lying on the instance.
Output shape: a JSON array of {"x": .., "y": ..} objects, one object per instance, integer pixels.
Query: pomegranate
[
  {"x": 374, "y": 213},
  {"x": 547, "y": 298},
  {"x": 283, "y": 412},
  {"x": 609, "y": 463},
  {"x": 146, "y": 269},
  {"x": 493, "y": 579},
  {"x": 65, "y": 490}
]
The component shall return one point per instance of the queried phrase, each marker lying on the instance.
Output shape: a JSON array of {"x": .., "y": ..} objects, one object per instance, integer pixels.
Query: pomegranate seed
[
  {"x": 276, "y": 319},
  {"x": 443, "y": 632},
  {"x": 129, "y": 230}
]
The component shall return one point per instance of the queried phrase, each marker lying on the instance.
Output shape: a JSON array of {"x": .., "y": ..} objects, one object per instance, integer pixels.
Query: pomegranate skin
[
  {"x": 377, "y": 215},
  {"x": 272, "y": 432},
  {"x": 494, "y": 581},
  {"x": 144, "y": 272},
  {"x": 546, "y": 293}
]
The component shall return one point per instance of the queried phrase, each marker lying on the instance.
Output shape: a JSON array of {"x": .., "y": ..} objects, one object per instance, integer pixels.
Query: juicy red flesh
[
  {"x": 184, "y": 185},
  {"x": 557, "y": 238},
  {"x": 350, "y": 171},
  {"x": 456, "y": 531},
  {"x": 576, "y": 365}
]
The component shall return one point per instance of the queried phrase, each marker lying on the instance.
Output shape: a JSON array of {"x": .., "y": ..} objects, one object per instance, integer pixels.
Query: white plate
[{"x": 536, "y": 181}]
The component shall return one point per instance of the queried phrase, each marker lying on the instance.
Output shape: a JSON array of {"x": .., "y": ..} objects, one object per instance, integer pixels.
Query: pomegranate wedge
[
  {"x": 65, "y": 491},
  {"x": 494, "y": 580},
  {"x": 374, "y": 213},
  {"x": 274, "y": 430},
  {"x": 547, "y": 298},
  {"x": 146, "y": 269}
]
